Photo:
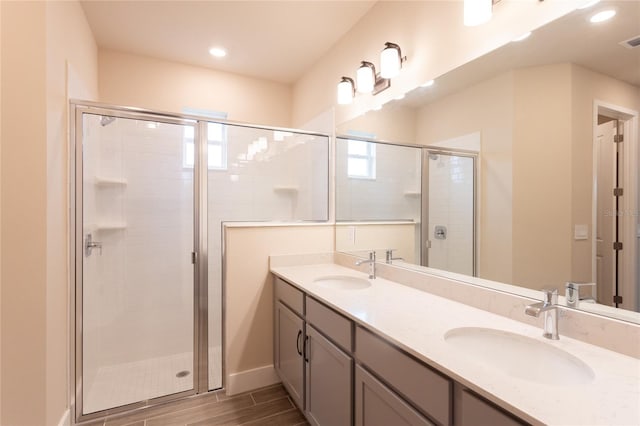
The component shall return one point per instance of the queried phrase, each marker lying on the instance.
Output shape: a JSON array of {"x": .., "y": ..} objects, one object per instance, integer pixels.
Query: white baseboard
[
  {"x": 251, "y": 379},
  {"x": 65, "y": 420}
]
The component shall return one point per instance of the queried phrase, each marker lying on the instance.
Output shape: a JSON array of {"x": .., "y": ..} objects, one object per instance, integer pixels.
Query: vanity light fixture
[
  {"x": 391, "y": 60},
  {"x": 346, "y": 91},
  {"x": 365, "y": 77},
  {"x": 602, "y": 16},
  {"x": 477, "y": 12}
]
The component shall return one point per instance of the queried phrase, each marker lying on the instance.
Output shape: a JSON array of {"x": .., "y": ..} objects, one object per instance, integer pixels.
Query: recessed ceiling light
[
  {"x": 605, "y": 15},
  {"x": 428, "y": 83},
  {"x": 522, "y": 37},
  {"x": 218, "y": 52},
  {"x": 589, "y": 4}
]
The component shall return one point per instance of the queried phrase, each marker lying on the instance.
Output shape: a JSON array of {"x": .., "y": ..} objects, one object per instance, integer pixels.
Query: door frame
[
  {"x": 629, "y": 223},
  {"x": 76, "y": 249}
]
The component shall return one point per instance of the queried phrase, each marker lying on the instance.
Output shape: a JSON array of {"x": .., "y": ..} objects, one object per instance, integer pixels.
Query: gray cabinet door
[
  {"x": 329, "y": 385},
  {"x": 377, "y": 405},
  {"x": 289, "y": 338}
]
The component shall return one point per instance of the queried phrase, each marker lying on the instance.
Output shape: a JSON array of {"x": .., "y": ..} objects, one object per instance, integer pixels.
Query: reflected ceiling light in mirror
[
  {"x": 391, "y": 60},
  {"x": 602, "y": 16},
  {"x": 365, "y": 77},
  {"x": 522, "y": 37},
  {"x": 346, "y": 91},
  {"x": 477, "y": 12},
  {"x": 218, "y": 52},
  {"x": 589, "y": 4},
  {"x": 428, "y": 83}
]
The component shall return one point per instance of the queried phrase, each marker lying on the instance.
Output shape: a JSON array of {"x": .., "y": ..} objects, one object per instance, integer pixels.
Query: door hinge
[
  {"x": 618, "y": 138},
  {"x": 617, "y": 299},
  {"x": 194, "y": 257},
  {"x": 428, "y": 244},
  {"x": 617, "y": 245},
  {"x": 617, "y": 192}
]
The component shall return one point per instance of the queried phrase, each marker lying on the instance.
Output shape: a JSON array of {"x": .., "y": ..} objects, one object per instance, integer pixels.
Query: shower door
[
  {"x": 136, "y": 283},
  {"x": 449, "y": 211}
]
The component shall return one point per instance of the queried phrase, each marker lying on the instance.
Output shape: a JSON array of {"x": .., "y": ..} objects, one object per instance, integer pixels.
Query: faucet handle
[
  {"x": 550, "y": 296},
  {"x": 576, "y": 285}
]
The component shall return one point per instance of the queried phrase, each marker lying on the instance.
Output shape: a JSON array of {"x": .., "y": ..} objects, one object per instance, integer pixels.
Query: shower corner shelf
[
  {"x": 284, "y": 189},
  {"x": 102, "y": 181},
  {"x": 411, "y": 194}
]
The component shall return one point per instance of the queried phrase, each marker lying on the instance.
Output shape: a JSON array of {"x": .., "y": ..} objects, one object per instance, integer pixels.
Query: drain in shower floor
[{"x": 183, "y": 373}]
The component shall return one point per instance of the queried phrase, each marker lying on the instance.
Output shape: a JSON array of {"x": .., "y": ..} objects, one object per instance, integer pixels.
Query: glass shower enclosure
[{"x": 151, "y": 192}]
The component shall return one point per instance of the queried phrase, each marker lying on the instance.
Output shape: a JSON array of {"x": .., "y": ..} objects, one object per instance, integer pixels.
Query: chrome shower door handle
[{"x": 89, "y": 245}]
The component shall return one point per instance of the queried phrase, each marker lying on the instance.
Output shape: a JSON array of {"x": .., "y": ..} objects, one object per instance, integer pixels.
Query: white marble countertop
[{"x": 417, "y": 321}]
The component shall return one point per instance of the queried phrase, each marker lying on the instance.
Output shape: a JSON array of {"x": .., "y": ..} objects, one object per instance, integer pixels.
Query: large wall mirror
[{"x": 521, "y": 165}]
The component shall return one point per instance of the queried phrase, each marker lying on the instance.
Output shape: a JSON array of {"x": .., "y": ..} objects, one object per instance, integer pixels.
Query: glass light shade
[
  {"x": 345, "y": 91},
  {"x": 390, "y": 62},
  {"x": 477, "y": 12},
  {"x": 365, "y": 78}
]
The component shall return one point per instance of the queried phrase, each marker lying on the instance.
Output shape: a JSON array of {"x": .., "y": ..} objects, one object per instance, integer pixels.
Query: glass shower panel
[
  {"x": 450, "y": 231},
  {"x": 257, "y": 175},
  {"x": 137, "y": 275}
]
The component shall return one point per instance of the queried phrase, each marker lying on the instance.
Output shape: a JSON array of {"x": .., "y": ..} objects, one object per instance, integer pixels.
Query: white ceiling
[{"x": 274, "y": 40}]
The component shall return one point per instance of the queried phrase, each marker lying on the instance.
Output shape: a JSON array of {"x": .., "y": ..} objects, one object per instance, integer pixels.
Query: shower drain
[{"x": 183, "y": 373}]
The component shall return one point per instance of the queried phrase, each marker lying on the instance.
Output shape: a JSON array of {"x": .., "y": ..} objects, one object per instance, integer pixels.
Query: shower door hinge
[
  {"x": 617, "y": 192},
  {"x": 617, "y": 299},
  {"x": 617, "y": 245},
  {"x": 618, "y": 138},
  {"x": 194, "y": 257}
]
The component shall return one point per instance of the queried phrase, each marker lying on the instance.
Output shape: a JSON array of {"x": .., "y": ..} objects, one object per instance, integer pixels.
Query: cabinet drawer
[
  {"x": 418, "y": 383},
  {"x": 289, "y": 295},
  {"x": 476, "y": 412},
  {"x": 333, "y": 325}
]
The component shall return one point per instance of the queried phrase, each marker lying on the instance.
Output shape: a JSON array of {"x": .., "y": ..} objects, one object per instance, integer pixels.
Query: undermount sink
[
  {"x": 343, "y": 282},
  {"x": 520, "y": 356}
]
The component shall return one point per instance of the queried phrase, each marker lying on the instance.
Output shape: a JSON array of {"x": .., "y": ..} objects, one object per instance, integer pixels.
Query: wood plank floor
[{"x": 270, "y": 406}]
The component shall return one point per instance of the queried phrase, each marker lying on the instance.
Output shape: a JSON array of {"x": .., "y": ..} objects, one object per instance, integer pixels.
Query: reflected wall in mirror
[{"x": 557, "y": 192}]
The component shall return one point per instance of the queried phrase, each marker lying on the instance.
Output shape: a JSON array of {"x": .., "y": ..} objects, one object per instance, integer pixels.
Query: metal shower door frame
[{"x": 424, "y": 248}]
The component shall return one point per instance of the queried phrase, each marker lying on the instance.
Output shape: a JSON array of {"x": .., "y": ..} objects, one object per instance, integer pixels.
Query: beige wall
[
  {"x": 34, "y": 197},
  {"x": 23, "y": 213},
  {"x": 542, "y": 227},
  {"x": 588, "y": 86},
  {"x": 432, "y": 36},
  {"x": 390, "y": 124},
  {"x": 72, "y": 72},
  {"x": 249, "y": 287},
  {"x": 134, "y": 80},
  {"x": 486, "y": 108}
]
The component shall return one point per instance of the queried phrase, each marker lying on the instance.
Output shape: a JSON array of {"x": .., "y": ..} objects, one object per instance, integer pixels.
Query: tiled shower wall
[{"x": 394, "y": 194}]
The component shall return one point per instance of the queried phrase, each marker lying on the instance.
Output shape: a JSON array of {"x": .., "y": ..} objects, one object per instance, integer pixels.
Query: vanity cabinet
[
  {"x": 342, "y": 374},
  {"x": 312, "y": 356},
  {"x": 377, "y": 405}
]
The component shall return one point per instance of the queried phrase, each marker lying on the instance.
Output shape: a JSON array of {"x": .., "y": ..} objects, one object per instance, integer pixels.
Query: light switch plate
[
  {"x": 581, "y": 232},
  {"x": 351, "y": 234}
]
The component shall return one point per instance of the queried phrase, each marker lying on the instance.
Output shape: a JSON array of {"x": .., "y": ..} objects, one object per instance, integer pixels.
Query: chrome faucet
[
  {"x": 572, "y": 293},
  {"x": 548, "y": 306},
  {"x": 372, "y": 264},
  {"x": 389, "y": 256}
]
